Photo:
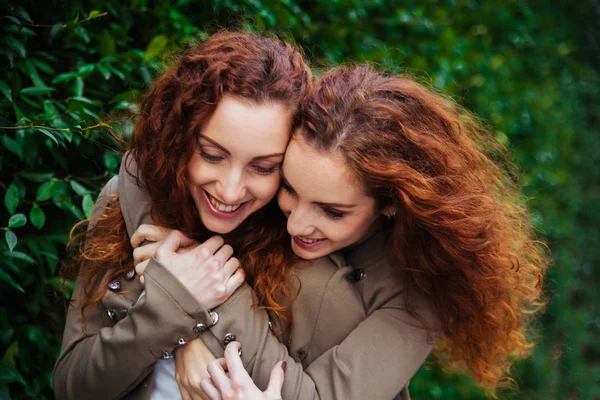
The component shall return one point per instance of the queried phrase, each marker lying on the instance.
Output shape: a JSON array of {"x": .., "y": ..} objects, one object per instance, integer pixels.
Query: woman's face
[
  {"x": 235, "y": 167},
  {"x": 327, "y": 208}
]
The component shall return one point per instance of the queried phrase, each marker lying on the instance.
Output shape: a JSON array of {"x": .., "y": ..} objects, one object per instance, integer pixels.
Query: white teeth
[
  {"x": 306, "y": 240},
  {"x": 223, "y": 207}
]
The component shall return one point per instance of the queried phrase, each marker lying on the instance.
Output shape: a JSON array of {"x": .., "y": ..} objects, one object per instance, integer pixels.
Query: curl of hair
[
  {"x": 256, "y": 69},
  {"x": 462, "y": 235}
]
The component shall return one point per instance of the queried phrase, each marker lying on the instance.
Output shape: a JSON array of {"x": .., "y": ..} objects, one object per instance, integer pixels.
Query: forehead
[
  {"x": 321, "y": 177},
  {"x": 244, "y": 127}
]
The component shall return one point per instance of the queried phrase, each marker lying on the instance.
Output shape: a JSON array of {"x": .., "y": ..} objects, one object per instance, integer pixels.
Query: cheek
[
  {"x": 265, "y": 188},
  {"x": 285, "y": 202}
]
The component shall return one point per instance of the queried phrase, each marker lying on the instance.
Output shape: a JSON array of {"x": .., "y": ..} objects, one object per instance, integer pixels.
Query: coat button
[
  {"x": 228, "y": 338},
  {"x": 115, "y": 286},
  {"x": 357, "y": 275},
  {"x": 214, "y": 316},
  {"x": 166, "y": 355},
  {"x": 111, "y": 314},
  {"x": 130, "y": 274},
  {"x": 181, "y": 341},
  {"x": 199, "y": 328}
]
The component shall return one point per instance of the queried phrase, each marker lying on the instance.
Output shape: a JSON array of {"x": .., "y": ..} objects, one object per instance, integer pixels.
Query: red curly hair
[
  {"x": 461, "y": 235},
  {"x": 257, "y": 69}
]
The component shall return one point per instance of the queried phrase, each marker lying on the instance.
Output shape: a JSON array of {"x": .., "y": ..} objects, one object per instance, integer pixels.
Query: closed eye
[{"x": 286, "y": 186}]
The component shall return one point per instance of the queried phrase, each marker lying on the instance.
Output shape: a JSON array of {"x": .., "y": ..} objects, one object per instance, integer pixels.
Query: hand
[
  {"x": 207, "y": 271},
  {"x": 143, "y": 253},
  {"x": 191, "y": 362},
  {"x": 237, "y": 384}
]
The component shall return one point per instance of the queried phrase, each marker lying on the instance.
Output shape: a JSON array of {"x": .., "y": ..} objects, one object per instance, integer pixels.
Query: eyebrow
[
  {"x": 320, "y": 203},
  {"x": 214, "y": 143}
]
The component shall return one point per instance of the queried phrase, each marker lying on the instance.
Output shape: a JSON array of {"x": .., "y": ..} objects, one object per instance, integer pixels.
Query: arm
[
  {"x": 107, "y": 360},
  {"x": 376, "y": 360}
]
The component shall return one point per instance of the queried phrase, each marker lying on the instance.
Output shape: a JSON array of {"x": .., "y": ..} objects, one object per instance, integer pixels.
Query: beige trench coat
[{"x": 351, "y": 338}]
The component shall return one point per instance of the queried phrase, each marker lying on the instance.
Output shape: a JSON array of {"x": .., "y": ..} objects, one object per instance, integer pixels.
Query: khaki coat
[{"x": 352, "y": 337}]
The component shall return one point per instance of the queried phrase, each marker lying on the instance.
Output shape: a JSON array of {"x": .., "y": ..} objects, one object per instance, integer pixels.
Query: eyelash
[
  {"x": 211, "y": 159},
  {"x": 329, "y": 213},
  {"x": 217, "y": 159},
  {"x": 333, "y": 214}
]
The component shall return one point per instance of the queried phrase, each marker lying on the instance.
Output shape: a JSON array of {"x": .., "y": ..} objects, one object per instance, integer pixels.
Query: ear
[{"x": 389, "y": 211}]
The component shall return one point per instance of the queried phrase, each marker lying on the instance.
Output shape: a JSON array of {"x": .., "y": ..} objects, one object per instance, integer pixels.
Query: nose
[
  {"x": 231, "y": 188},
  {"x": 299, "y": 222}
]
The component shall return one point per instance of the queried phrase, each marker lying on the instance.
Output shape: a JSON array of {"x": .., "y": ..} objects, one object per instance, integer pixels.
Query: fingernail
[{"x": 284, "y": 365}]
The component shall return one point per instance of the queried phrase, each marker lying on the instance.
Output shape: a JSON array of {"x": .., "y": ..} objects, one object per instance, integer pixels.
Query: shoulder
[{"x": 135, "y": 202}]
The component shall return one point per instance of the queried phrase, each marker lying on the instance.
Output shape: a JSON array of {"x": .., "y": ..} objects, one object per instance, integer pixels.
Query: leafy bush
[{"x": 72, "y": 68}]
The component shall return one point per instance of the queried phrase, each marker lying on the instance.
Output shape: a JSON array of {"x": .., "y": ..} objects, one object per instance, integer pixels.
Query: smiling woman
[
  {"x": 326, "y": 209},
  {"x": 232, "y": 175},
  {"x": 208, "y": 143}
]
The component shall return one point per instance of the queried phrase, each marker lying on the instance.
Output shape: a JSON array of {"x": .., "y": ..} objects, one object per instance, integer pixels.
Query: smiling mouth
[
  {"x": 307, "y": 240},
  {"x": 228, "y": 208}
]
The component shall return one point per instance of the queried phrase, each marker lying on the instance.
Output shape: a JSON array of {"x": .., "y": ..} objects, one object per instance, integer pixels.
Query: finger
[
  {"x": 209, "y": 388},
  {"x": 141, "y": 267},
  {"x": 213, "y": 244},
  {"x": 185, "y": 395},
  {"x": 216, "y": 370},
  {"x": 174, "y": 241},
  {"x": 236, "y": 280},
  {"x": 152, "y": 233},
  {"x": 234, "y": 361},
  {"x": 276, "y": 381},
  {"x": 231, "y": 266},
  {"x": 224, "y": 253},
  {"x": 145, "y": 252}
]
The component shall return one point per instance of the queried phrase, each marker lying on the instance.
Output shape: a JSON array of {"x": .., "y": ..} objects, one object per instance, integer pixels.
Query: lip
[
  {"x": 308, "y": 246},
  {"x": 222, "y": 214}
]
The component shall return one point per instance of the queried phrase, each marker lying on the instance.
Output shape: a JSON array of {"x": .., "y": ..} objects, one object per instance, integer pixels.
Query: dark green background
[{"x": 530, "y": 68}]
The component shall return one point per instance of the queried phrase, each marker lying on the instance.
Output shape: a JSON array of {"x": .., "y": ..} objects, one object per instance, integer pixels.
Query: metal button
[
  {"x": 111, "y": 314},
  {"x": 215, "y": 317},
  {"x": 166, "y": 355},
  {"x": 228, "y": 338},
  {"x": 199, "y": 328},
  {"x": 130, "y": 274},
  {"x": 357, "y": 275},
  {"x": 115, "y": 286},
  {"x": 181, "y": 341}
]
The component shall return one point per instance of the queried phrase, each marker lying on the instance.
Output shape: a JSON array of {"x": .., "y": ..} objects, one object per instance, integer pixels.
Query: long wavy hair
[
  {"x": 257, "y": 69},
  {"x": 461, "y": 235}
]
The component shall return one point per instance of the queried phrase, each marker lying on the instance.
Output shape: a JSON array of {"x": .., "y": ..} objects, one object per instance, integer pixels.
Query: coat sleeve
[
  {"x": 104, "y": 360},
  {"x": 375, "y": 361}
]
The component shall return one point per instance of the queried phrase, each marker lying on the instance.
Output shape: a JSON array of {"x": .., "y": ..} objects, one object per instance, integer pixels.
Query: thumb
[
  {"x": 276, "y": 381},
  {"x": 174, "y": 241}
]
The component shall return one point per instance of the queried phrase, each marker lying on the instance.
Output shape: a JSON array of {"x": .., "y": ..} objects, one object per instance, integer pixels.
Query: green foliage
[{"x": 529, "y": 68}]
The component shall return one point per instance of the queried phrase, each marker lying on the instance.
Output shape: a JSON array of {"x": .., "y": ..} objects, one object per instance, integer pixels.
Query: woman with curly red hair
[
  {"x": 236, "y": 90},
  {"x": 409, "y": 186}
]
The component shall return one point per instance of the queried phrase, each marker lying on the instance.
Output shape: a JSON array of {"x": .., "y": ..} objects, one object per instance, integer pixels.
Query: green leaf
[
  {"x": 12, "y": 145},
  {"x": 86, "y": 69},
  {"x": 87, "y": 204},
  {"x": 17, "y": 220},
  {"x": 16, "y": 45},
  {"x": 78, "y": 87},
  {"x": 108, "y": 47},
  {"x": 156, "y": 46},
  {"x": 6, "y": 90},
  {"x": 36, "y": 91},
  {"x": 78, "y": 188},
  {"x": 82, "y": 99},
  {"x": 104, "y": 71},
  {"x": 11, "y": 198},
  {"x": 11, "y": 239},
  {"x": 37, "y": 216},
  {"x": 20, "y": 256},
  {"x": 9, "y": 354},
  {"x": 7, "y": 278},
  {"x": 64, "y": 77},
  {"x": 37, "y": 176},
  {"x": 47, "y": 133},
  {"x": 94, "y": 14},
  {"x": 45, "y": 190}
]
